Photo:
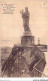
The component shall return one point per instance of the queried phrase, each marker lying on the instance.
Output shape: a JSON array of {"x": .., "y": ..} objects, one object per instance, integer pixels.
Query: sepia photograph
[{"x": 23, "y": 38}]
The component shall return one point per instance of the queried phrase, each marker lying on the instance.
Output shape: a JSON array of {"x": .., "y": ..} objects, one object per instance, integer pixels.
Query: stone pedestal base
[{"x": 27, "y": 40}]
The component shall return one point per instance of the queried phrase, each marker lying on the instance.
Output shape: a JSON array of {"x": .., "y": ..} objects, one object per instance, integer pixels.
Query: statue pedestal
[{"x": 27, "y": 40}]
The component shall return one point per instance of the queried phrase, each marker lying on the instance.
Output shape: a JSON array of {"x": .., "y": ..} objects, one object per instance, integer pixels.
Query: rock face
[
  {"x": 22, "y": 60},
  {"x": 26, "y": 59}
]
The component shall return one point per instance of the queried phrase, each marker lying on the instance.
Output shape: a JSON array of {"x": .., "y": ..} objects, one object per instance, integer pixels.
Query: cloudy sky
[{"x": 12, "y": 24}]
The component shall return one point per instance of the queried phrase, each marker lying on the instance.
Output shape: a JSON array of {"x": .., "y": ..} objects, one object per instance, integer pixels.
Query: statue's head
[{"x": 26, "y": 9}]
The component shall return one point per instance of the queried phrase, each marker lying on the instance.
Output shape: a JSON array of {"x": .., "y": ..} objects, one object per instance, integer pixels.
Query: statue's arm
[{"x": 22, "y": 13}]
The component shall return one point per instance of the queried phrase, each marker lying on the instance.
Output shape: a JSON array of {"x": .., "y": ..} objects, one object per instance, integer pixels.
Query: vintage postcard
[{"x": 23, "y": 38}]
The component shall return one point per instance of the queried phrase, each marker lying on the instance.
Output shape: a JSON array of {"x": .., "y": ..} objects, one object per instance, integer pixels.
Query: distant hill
[{"x": 5, "y": 52}]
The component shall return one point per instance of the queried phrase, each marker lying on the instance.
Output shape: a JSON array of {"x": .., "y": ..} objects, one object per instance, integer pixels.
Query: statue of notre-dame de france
[{"x": 25, "y": 16}]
